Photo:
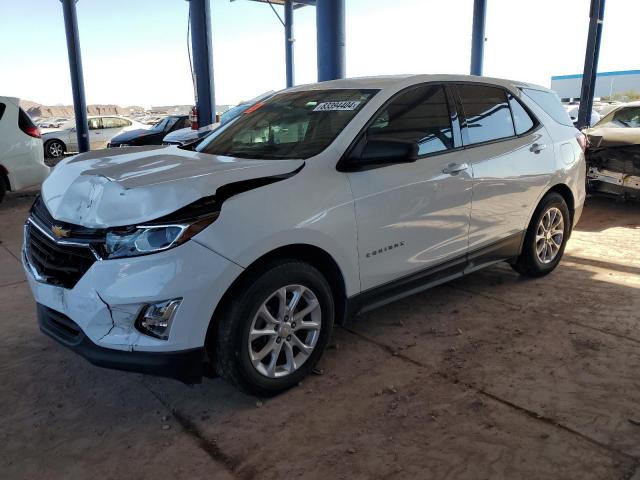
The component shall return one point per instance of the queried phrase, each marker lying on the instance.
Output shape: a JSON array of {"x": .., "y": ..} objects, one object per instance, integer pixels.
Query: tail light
[
  {"x": 32, "y": 131},
  {"x": 582, "y": 141}
]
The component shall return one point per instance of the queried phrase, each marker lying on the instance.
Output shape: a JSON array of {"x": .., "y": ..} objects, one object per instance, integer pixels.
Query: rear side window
[
  {"x": 420, "y": 115},
  {"x": 487, "y": 113},
  {"x": 550, "y": 103},
  {"x": 521, "y": 118},
  {"x": 24, "y": 120},
  {"x": 3, "y": 107}
]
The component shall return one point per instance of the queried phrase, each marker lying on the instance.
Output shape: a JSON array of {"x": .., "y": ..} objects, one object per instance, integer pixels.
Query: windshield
[
  {"x": 289, "y": 125},
  {"x": 165, "y": 123},
  {"x": 627, "y": 117}
]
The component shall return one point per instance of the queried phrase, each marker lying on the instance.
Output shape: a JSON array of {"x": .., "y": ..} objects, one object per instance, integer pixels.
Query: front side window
[
  {"x": 94, "y": 124},
  {"x": 2, "y": 109},
  {"x": 487, "y": 113},
  {"x": 418, "y": 115},
  {"x": 289, "y": 125}
]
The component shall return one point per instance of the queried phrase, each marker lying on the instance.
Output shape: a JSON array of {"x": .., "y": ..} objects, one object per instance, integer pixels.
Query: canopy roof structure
[{"x": 331, "y": 59}]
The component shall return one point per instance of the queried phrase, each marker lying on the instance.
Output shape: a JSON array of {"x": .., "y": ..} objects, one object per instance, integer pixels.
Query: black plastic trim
[
  {"x": 185, "y": 365},
  {"x": 373, "y": 298}
]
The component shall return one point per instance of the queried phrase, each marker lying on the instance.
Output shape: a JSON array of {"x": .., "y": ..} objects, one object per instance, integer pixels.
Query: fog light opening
[{"x": 155, "y": 319}]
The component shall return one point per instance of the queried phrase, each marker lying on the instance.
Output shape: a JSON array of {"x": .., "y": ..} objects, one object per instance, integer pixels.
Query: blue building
[{"x": 607, "y": 84}]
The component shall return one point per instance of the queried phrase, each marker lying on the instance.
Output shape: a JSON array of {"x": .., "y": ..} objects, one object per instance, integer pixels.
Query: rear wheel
[
  {"x": 274, "y": 331},
  {"x": 546, "y": 237},
  {"x": 54, "y": 149},
  {"x": 3, "y": 188}
]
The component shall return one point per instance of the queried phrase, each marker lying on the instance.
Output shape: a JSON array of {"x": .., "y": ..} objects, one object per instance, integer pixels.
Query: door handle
[
  {"x": 454, "y": 168},
  {"x": 537, "y": 147}
]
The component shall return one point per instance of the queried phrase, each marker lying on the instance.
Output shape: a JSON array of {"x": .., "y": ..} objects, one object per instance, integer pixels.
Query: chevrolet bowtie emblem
[{"x": 59, "y": 232}]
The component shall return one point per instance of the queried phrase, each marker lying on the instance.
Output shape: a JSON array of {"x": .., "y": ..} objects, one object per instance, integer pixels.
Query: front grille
[
  {"x": 58, "y": 262},
  {"x": 59, "y": 325}
]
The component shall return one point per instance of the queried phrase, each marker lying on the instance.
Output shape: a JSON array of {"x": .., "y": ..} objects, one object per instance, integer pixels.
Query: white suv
[
  {"x": 21, "y": 161},
  {"x": 321, "y": 202}
]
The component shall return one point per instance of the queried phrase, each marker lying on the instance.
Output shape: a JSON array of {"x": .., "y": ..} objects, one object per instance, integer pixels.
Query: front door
[
  {"x": 96, "y": 135},
  {"x": 413, "y": 216}
]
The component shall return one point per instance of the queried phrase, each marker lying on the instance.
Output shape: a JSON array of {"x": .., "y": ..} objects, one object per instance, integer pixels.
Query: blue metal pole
[
  {"x": 330, "y": 31},
  {"x": 589, "y": 74},
  {"x": 200, "y": 21},
  {"x": 75, "y": 68},
  {"x": 477, "y": 36},
  {"x": 288, "y": 41}
]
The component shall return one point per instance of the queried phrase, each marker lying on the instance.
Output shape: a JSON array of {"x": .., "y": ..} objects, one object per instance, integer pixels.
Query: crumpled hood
[
  {"x": 132, "y": 185},
  {"x": 603, "y": 137}
]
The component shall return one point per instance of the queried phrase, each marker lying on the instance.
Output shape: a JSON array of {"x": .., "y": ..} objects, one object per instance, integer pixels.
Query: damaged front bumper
[
  {"x": 614, "y": 167},
  {"x": 102, "y": 309}
]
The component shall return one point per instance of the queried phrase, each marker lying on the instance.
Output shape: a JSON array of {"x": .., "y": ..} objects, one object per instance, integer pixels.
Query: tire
[
  {"x": 536, "y": 259},
  {"x": 54, "y": 149},
  {"x": 3, "y": 188},
  {"x": 232, "y": 349}
]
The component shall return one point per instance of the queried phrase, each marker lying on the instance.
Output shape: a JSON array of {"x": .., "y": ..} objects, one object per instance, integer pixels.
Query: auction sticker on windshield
[{"x": 339, "y": 106}]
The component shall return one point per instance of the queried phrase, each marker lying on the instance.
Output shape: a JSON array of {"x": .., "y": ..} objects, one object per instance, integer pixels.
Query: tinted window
[
  {"x": 289, "y": 125},
  {"x": 24, "y": 120},
  {"x": 521, "y": 119},
  {"x": 550, "y": 103},
  {"x": 420, "y": 115},
  {"x": 487, "y": 113},
  {"x": 2, "y": 109},
  {"x": 94, "y": 124}
]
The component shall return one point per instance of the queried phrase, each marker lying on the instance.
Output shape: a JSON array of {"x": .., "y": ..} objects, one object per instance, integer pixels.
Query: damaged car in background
[{"x": 613, "y": 156}]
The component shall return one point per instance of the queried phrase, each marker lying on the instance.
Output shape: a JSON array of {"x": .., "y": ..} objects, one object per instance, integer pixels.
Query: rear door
[
  {"x": 511, "y": 157},
  {"x": 413, "y": 216}
]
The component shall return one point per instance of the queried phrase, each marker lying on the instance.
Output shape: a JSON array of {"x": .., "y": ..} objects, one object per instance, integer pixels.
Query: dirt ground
[{"x": 489, "y": 377}]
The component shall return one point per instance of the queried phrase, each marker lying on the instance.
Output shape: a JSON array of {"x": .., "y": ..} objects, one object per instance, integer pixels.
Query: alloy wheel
[
  {"x": 56, "y": 149},
  {"x": 549, "y": 235},
  {"x": 285, "y": 331}
]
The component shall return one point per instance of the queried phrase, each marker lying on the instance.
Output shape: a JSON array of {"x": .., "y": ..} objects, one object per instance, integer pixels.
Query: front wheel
[
  {"x": 546, "y": 237},
  {"x": 275, "y": 329}
]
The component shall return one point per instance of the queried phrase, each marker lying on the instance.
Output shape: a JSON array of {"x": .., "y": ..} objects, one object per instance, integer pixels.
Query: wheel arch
[
  {"x": 563, "y": 190},
  {"x": 311, "y": 254}
]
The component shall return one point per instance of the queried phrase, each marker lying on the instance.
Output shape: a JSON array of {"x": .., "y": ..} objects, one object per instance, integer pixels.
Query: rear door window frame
[{"x": 465, "y": 136}]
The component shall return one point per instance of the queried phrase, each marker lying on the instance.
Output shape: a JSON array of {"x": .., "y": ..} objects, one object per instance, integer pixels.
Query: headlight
[{"x": 145, "y": 239}]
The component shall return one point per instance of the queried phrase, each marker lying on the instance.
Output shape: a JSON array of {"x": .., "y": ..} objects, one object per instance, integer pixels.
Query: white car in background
[
  {"x": 572, "y": 111},
  {"x": 321, "y": 202},
  {"x": 101, "y": 130},
  {"x": 21, "y": 161}
]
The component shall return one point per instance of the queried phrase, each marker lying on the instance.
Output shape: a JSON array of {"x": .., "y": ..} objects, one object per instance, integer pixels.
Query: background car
[
  {"x": 572, "y": 110},
  {"x": 187, "y": 135},
  {"x": 21, "y": 160},
  {"x": 613, "y": 156},
  {"x": 153, "y": 135},
  {"x": 101, "y": 131},
  {"x": 55, "y": 122}
]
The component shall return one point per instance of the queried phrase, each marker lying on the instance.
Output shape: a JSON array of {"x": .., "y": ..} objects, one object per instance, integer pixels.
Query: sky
[{"x": 134, "y": 52}]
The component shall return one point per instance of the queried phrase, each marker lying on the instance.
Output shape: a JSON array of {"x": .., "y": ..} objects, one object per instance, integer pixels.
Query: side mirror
[{"x": 380, "y": 152}]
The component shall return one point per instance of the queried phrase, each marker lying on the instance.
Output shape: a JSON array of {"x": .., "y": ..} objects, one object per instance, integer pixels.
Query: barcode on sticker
[{"x": 333, "y": 106}]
